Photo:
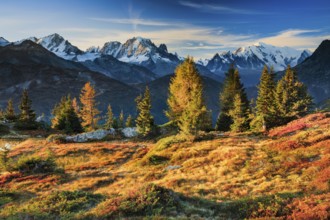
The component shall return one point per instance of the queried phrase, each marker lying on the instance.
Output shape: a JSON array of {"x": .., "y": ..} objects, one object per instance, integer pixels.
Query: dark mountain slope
[
  {"x": 314, "y": 72},
  {"x": 48, "y": 78}
]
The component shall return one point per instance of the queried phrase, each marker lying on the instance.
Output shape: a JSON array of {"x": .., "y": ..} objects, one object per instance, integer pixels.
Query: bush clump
[
  {"x": 4, "y": 129},
  {"x": 6, "y": 197},
  {"x": 57, "y": 205},
  {"x": 26, "y": 125},
  {"x": 56, "y": 138},
  {"x": 150, "y": 200},
  {"x": 34, "y": 164}
]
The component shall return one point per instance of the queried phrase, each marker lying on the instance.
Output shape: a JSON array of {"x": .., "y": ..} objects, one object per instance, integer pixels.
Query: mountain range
[
  {"x": 143, "y": 52},
  {"x": 48, "y": 77},
  {"x": 51, "y": 67}
]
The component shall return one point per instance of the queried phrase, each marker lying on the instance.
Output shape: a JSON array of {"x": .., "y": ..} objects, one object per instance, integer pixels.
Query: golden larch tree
[
  {"x": 186, "y": 103},
  {"x": 88, "y": 111}
]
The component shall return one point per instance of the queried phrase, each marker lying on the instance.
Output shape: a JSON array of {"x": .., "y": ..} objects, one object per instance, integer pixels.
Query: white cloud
[
  {"x": 217, "y": 8},
  {"x": 133, "y": 21},
  {"x": 297, "y": 38}
]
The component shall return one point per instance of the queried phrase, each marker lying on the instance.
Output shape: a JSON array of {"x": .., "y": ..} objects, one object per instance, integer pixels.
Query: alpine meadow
[{"x": 179, "y": 109}]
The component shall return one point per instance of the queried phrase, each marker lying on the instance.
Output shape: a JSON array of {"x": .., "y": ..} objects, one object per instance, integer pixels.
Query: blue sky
[{"x": 190, "y": 27}]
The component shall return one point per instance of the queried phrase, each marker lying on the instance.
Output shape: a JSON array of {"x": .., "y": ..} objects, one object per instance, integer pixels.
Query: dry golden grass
[{"x": 227, "y": 168}]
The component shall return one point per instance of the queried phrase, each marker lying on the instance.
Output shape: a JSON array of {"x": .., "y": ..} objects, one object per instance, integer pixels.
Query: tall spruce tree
[
  {"x": 292, "y": 98},
  {"x": 65, "y": 117},
  {"x": 2, "y": 114},
  {"x": 27, "y": 114},
  {"x": 129, "y": 121},
  {"x": 186, "y": 105},
  {"x": 109, "y": 119},
  {"x": 10, "y": 111},
  {"x": 232, "y": 86},
  {"x": 121, "y": 121},
  {"x": 144, "y": 121},
  {"x": 88, "y": 111},
  {"x": 265, "y": 115},
  {"x": 238, "y": 115},
  {"x": 115, "y": 123}
]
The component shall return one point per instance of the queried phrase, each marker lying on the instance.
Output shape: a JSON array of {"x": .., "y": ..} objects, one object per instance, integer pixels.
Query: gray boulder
[
  {"x": 90, "y": 136},
  {"x": 129, "y": 132}
]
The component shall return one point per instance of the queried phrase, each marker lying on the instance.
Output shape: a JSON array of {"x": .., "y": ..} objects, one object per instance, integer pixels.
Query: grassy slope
[{"x": 283, "y": 174}]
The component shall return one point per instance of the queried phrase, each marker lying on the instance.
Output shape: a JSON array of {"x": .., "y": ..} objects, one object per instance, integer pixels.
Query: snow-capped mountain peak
[
  {"x": 144, "y": 52},
  {"x": 93, "y": 50},
  {"x": 255, "y": 56},
  {"x": 111, "y": 48},
  {"x": 3, "y": 42},
  {"x": 138, "y": 46},
  {"x": 58, "y": 45}
]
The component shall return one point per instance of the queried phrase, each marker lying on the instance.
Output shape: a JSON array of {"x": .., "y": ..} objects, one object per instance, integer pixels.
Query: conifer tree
[
  {"x": 88, "y": 111},
  {"x": 10, "y": 111},
  {"x": 129, "y": 121},
  {"x": 239, "y": 115},
  {"x": 265, "y": 115},
  {"x": 121, "y": 123},
  {"x": 2, "y": 114},
  {"x": 27, "y": 114},
  {"x": 109, "y": 119},
  {"x": 65, "y": 117},
  {"x": 75, "y": 105},
  {"x": 115, "y": 123},
  {"x": 292, "y": 98},
  {"x": 144, "y": 120},
  {"x": 232, "y": 86},
  {"x": 57, "y": 111},
  {"x": 186, "y": 105}
]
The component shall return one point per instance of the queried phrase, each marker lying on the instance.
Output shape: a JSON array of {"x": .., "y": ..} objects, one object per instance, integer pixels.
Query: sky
[{"x": 199, "y": 28}]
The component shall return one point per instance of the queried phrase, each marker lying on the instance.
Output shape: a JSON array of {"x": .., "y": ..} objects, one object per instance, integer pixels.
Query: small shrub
[
  {"x": 150, "y": 200},
  {"x": 6, "y": 197},
  {"x": 4, "y": 129},
  {"x": 203, "y": 136},
  {"x": 155, "y": 159},
  {"x": 26, "y": 125},
  {"x": 33, "y": 164},
  {"x": 5, "y": 161},
  {"x": 165, "y": 143},
  {"x": 56, "y": 138},
  {"x": 57, "y": 205},
  {"x": 266, "y": 206}
]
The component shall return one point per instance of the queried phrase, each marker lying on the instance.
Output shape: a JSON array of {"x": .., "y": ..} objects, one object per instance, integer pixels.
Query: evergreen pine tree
[
  {"x": 129, "y": 121},
  {"x": 292, "y": 98},
  {"x": 115, "y": 123},
  {"x": 121, "y": 121},
  {"x": 186, "y": 106},
  {"x": 109, "y": 119},
  {"x": 10, "y": 111},
  {"x": 239, "y": 115},
  {"x": 89, "y": 111},
  {"x": 265, "y": 115},
  {"x": 27, "y": 114},
  {"x": 2, "y": 114},
  {"x": 65, "y": 117},
  {"x": 232, "y": 86},
  {"x": 144, "y": 120}
]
